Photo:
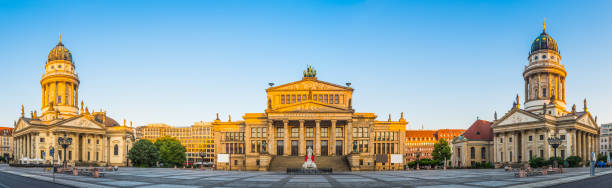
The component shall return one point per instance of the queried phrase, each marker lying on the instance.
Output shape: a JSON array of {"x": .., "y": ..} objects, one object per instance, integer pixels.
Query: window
[
  {"x": 530, "y": 138},
  {"x": 562, "y": 137},
  {"x": 510, "y": 139},
  {"x": 339, "y": 132},
  {"x": 541, "y": 137},
  {"x": 483, "y": 153},
  {"x": 542, "y": 153},
  {"x": 299, "y": 98},
  {"x": 282, "y": 99},
  {"x": 536, "y": 57},
  {"x": 543, "y": 92},
  {"x": 324, "y": 132},
  {"x": 97, "y": 141},
  {"x": 116, "y": 150},
  {"x": 88, "y": 156},
  {"x": 97, "y": 156},
  {"x": 309, "y": 132},
  {"x": 472, "y": 153},
  {"x": 280, "y": 132},
  {"x": 510, "y": 156},
  {"x": 337, "y": 99},
  {"x": 320, "y": 98},
  {"x": 562, "y": 154},
  {"x": 530, "y": 154},
  {"x": 326, "y": 99},
  {"x": 88, "y": 141},
  {"x": 544, "y": 57},
  {"x": 295, "y": 132},
  {"x": 42, "y": 139},
  {"x": 69, "y": 155},
  {"x": 315, "y": 98},
  {"x": 501, "y": 140},
  {"x": 292, "y": 99}
]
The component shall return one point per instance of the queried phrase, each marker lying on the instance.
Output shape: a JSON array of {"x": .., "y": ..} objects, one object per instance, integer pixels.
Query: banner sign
[
  {"x": 397, "y": 158},
  {"x": 222, "y": 158}
]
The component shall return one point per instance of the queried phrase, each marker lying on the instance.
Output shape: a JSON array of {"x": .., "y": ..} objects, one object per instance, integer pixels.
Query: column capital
[
  {"x": 333, "y": 121},
  {"x": 318, "y": 121},
  {"x": 302, "y": 121},
  {"x": 285, "y": 121}
]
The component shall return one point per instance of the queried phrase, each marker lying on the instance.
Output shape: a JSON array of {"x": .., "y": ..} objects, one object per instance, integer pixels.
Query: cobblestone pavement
[{"x": 170, "y": 178}]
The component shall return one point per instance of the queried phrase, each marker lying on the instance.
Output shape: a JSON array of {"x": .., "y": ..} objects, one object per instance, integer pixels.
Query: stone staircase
[{"x": 281, "y": 163}]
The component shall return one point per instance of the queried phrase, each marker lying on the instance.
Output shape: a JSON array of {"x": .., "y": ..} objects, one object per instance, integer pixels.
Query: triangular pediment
[
  {"x": 81, "y": 122},
  {"x": 21, "y": 124},
  {"x": 305, "y": 85},
  {"x": 587, "y": 120},
  {"x": 517, "y": 117},
  {"x": 310, "y": 106}
]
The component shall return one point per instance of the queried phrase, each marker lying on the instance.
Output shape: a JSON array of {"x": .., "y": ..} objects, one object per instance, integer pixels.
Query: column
[
  {"x": 286, "y": 141},
  {"x": 44, "y": 89},
  {"x": 524, "y": 152},
  {"x": 271, "y": 137},
  {"x": 317, "y": 144},
  {"x": 332, "y": 139},
  {"x": 349, "y": 137},
  {"x": 302, "y": 143},
  {"x": 546, "y": 145}
]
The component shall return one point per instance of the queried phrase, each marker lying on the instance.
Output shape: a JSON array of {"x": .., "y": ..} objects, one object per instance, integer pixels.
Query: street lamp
[
  {"x": 554, "y": 142},
  {"x": 418, "y": 155},
  {"x": 64, "y": 142},
  {"x": 202, "y": 155}
]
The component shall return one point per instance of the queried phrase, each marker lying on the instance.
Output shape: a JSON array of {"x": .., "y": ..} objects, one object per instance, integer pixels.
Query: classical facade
[
  {"x": 522, "y": 133},
  {"x": 96, "y": 138},
  {"x": 473, "y": 146},
  {"x": 605, "y": 135},
  {"x": 6, "y": 140},
  {"x": 197, "y": 139},
  {"x": 309, "y": 113},
  {"x": 420, "y": 143}
]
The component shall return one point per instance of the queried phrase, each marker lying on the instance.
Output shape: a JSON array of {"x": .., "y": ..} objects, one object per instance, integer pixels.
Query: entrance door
[
  {"x": 324, "y": 147},
  {"x": 280, "y": 147},
  {"x": 339, "y": 147},
  {"x": 294, "y": 147}
]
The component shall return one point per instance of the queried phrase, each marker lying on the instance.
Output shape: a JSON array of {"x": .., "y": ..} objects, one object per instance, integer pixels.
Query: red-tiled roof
[
  {"x": 420, "y": 133},
  {"x": 480, "y": 130}
]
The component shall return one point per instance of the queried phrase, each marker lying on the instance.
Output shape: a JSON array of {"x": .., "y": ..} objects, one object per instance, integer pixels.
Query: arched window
[
  {"x": 116, "y": 149},
  {"x": 483, "y": 153},
  {"x": 472, "y": 153}
]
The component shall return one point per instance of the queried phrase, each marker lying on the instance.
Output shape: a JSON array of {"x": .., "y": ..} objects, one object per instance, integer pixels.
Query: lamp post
[
  {"x": 554, "y": 142},
  {"x": 202, "y": 155},
  {"x": 64, "y": 142},
  {"x": 418, "y": 155},
  {"x": 127, "y": 150}
]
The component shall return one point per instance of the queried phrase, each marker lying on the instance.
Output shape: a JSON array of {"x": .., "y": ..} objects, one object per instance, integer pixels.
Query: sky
[{"x": 443, "y": 63}]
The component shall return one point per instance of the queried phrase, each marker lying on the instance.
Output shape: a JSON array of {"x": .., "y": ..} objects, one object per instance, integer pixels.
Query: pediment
[
  {"x": 587, "y": 120},
  {"x": 21, "y": 124},
  {"x": 517, "y": 117},
  {"x": 81, "y": 122},
  {"x": 305, "y": 85},
  {"x": 310, "y": 107}
]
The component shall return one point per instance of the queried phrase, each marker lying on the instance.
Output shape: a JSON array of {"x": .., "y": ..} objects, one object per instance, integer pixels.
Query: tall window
[
  {"x": 116, "y": 150},
  {"x": 472, "y": 153},
  {"x": 543, "y": 92},
  {"x": 299, "y": 98},
  {"x": 337, "y": 98},
  {"x": 309, "y": 132},
  {"x": 483, "y": 153},
  {"x": 339, "y": 132},
  {"x": 320, "y": 98},
  {"x": 324, "y": 132},
  {"x": 292, "y": 99},
  {"x": 282, "y": 99}
]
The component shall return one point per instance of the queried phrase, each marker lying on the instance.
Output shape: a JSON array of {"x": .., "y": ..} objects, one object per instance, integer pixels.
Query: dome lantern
[{"x": 60, "y": 52}]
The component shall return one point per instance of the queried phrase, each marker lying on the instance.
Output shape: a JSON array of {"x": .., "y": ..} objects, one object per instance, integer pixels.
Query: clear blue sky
[{"x": 443, "y": 63}]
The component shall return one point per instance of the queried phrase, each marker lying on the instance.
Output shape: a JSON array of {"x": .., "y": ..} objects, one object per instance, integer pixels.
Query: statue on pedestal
[{"x": 309, "y": 160}]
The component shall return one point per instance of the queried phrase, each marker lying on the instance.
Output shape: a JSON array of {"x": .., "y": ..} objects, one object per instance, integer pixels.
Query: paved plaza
[{"x": 170, "y": 178}]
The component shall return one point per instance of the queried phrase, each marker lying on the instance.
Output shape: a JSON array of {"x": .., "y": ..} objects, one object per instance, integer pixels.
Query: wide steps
[{"x": 281, "y": 163}]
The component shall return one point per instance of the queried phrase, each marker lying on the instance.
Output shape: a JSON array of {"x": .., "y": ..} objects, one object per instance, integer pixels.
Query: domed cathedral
[
  {"x": 526, "y": 133},
  {"x": 96, "y": 138},
  {"x": 304, "y": 115}
]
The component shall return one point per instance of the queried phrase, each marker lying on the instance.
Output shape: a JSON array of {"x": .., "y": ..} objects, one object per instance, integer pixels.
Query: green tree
[
  {"x": 171, "y": 152},
  {"x": 441, "y": 151},
  {"x": 144, "y": 153},
  {"x": 574, "y": 161}
]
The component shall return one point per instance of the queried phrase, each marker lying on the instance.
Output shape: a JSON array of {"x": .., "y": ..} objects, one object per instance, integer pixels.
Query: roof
[
  {"x": 107, "y": 121},
  {"x": 480, "y": 130},
  {"x": 420, "y": 133},
  {"x": 8, "y": 129}
]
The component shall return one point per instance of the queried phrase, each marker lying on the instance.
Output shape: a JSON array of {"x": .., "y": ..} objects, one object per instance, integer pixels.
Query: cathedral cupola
[
  {"x": 544, "y": 75},
  {"x": 60, "y": 52},
  {"x": 60, "y": 84}
]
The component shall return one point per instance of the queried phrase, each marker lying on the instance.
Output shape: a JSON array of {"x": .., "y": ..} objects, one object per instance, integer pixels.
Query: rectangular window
[
  {"x": 295, "y": 132},
  {"x": 542, "y": 153},
  {"x": 315, "y": 98},
  {"x": 324, "y": 132},
  {"x": 562, "y": 137},
  {"x": 280, "y": 132},
  {"x": 501, "y": 140},
  {"x": 510, "y": 139},
  {"x": 309, "y": 132},
  {"x": 42, "y": 139},
  {"x": 530, "y": 138},
  {"x": 69, "y": 155},
  {"x": 282, "y": 99},
  {"x": 326, "y": 99},
  {"x": 292, "y": 99},
  {"x": 339, "y": 132},
  {"x": 264, "y": 132},
  {"x": 299, "y": 98},
  {"x": 355, "y": 134},
  {"x": 320, "y": 98},
  {"x": 541, "y": 137},
  {"x": 337, "y": 99}
]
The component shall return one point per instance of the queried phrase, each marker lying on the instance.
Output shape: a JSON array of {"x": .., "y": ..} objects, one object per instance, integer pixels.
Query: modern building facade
[
  {"x": 6, "y": 142},
  {"x": 605, "y": 135},
  {"x": 308, "y": 113},
  {"x": 197, "y": 139},
  {"x": 522, "y": 133},
  {"x": 96, "y": 138},
  {"x": 473, "y": 146},
  {"x": 420, "y": 143}
]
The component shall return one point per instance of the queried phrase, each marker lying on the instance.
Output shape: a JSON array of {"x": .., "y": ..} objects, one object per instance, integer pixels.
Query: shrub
[
  {"x": 560, "y": 161},
  {"x": 574, "y": 161},
  {"x": 537, "y": 162}
]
